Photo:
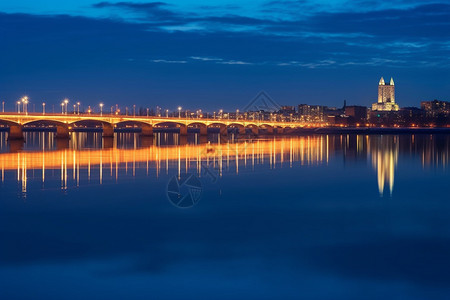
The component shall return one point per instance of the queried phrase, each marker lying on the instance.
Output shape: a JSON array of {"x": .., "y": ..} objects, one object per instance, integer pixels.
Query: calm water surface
[{"x": 310, "y": 217}]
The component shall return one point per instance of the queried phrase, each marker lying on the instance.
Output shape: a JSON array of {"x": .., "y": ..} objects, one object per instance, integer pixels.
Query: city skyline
[
  {"x": 137, "y": 52},
  {"x": 385, "y": 92}
]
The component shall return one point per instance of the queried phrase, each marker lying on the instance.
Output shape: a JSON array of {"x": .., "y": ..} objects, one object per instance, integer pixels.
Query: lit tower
[{"x": 386, "y": 97}]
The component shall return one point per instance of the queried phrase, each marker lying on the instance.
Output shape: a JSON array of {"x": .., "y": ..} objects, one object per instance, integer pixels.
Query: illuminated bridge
[{"x": 66, "y": 122}]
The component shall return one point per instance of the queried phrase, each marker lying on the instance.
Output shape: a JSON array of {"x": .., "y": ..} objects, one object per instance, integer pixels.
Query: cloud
[
  {"x": 168, "y": 61},
  {"x": 155, "y": 11},
  {"x": 234, "y": 62},
  {"x": 201, "y": 58}
]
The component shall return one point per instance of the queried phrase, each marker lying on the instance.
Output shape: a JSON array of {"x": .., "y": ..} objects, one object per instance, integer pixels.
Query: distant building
[
  {"x": 287, "y": 110},
  {"x": 311, "y": 113},
  {"x": 435, "y": 107},
  {"x": 356, "y": 114},
  {"x": 386, "y": 97}
]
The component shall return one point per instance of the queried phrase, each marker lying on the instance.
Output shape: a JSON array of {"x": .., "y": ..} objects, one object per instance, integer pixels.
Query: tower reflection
[{"x": 384, "y": 154}]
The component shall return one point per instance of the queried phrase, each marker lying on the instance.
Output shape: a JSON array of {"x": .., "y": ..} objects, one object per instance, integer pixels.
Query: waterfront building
[
  {"x": 311, "y": 113},
  {"x": 357, "y": 114},
  {"x": 386, "y": 97},
  {"x": 435, "y": 108}
]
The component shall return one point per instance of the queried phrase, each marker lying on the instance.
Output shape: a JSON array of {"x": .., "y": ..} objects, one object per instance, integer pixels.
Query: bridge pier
[
  {"x": 241, "y": 130},
  {"x": 147, "y": 131},
  {"x": 15, "y": 145},
  {"x": 203, "y": 130},
  {"x": 223, "y": 130},
  {"x": 108, "y": 130},
  {"x": 107, "y": 142},
  {"x": 62, "y": 143},
  {"x": 255, "y": 130},
  {"x": 280, "y": 130},
  {"x": 15, "y": 132},
  {"x": 62, "y": 132},
  {"x": 269, "y": 130},
  {"x": 183, "y": 130},
  {"x": 145, "y": 141}
]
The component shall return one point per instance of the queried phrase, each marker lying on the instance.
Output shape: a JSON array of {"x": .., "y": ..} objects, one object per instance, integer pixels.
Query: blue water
[{"x": 359, "y": 217}]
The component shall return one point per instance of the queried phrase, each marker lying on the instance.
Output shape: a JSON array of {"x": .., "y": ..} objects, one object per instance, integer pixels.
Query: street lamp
[
  {"x": 43, "y": 108},
  {"x": 74, "y": 109},
  {"x": 179, "y": 112},
  {"x": 134, "y": 110},
  {"x": 167, "y": 113},
  {"x": 101, "y": 109},
  {"x": 78, "y": 107},
  {"x": 62, "y": 107},
  {"x": 26, "y": 105},
  {"x": 18, "y": 107},
  {"x": 65, "y": 102},
  {"x": 3, "y": 106},
  {"x": 25, "y": 102}
]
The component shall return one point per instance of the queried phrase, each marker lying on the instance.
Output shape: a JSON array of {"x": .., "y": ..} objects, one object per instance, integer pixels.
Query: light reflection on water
[
  {"x": 293, "y": 217},
  {"x": 89, "y": 158}
]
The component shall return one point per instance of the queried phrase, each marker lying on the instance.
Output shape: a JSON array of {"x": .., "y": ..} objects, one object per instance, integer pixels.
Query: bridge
[{"x": 64, "y": 123}]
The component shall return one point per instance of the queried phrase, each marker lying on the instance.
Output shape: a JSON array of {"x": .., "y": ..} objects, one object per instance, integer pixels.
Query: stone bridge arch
[
  {"x": 254, "y": 128},
  {"x": 241, "y": 128},
  {"x": 267, "y": 128},
  {"x": 107, "y": 128},
  {"x": 62, "y": 128},
  {"x": 202, "y": 127},
  {"x": 223, "y": 128},
  {"x": 183, "y": 127},
  {"x": 146, "y": 128}
]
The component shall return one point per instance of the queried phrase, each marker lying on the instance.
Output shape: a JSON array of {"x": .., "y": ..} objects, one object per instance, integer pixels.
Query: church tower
[{"x": 386, "y": 97}]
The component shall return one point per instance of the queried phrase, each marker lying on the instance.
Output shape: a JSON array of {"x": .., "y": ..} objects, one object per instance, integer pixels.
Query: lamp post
[
  {"x": 89, "y": 109},
  {"x": 43, "y": 108},
  {"x": 78, "y": 107},
  {"x": 18, "y": 107},
  {"x": 101, "y": 109},
  {"x": 3, "y": 106},
  {"x": 179, "y": 112},
  {"x": 237, "y": 114},
  {"x": 134, "y": 110},
  {"x": 167, "y": 113},
  {"x": 147, "y": 111},
  {"x": 66, "y": 101},
  {"x": 74, "y": 110},
  {"x": 25, "y": 102},
  {"x": 62, "y": 108}
]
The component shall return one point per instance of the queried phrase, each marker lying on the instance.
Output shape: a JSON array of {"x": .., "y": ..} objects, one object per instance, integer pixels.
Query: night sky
[{"x": 221, "y": 53}]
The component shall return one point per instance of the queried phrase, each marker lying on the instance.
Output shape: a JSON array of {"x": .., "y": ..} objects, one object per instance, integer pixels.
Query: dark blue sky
[{"x": 220, "y": 54}]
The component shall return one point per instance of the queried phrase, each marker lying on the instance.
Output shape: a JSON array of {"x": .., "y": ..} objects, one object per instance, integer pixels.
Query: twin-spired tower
[{"x": 386, "y": 97}]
